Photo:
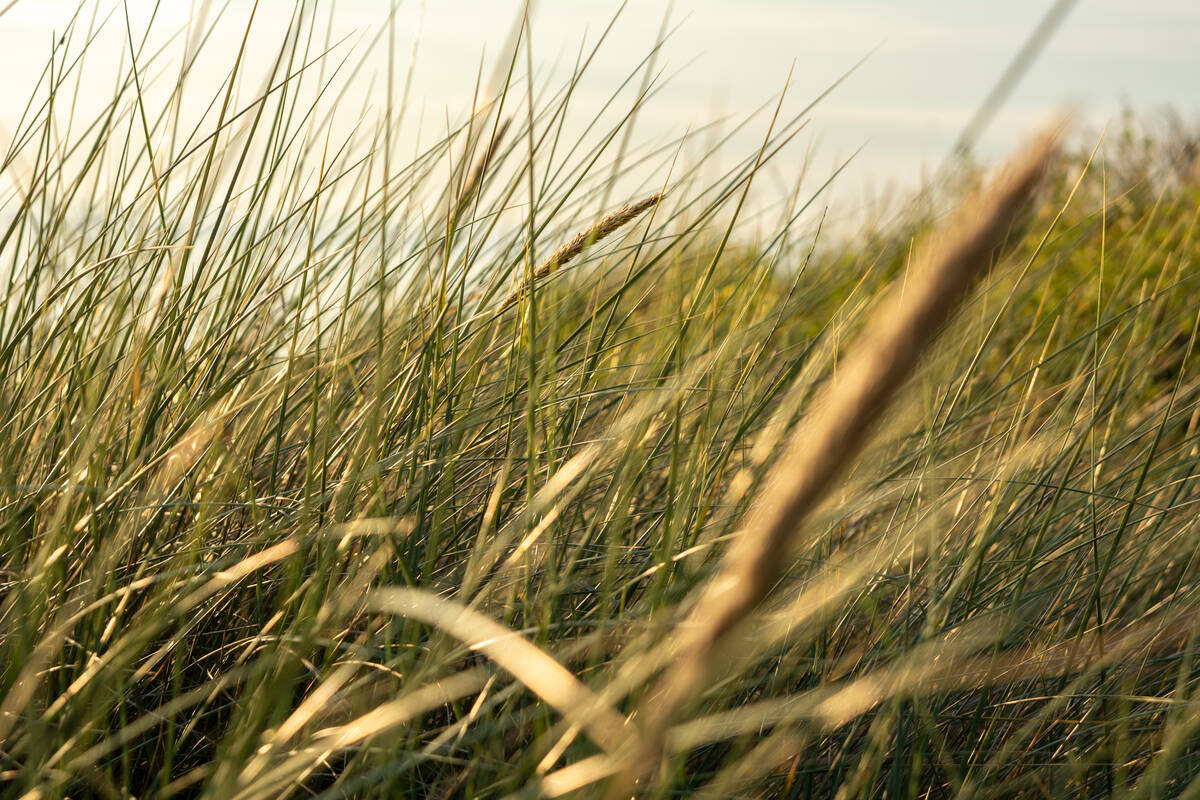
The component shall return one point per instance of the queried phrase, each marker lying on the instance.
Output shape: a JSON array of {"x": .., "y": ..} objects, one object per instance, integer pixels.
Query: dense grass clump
[{"x": 333, "y": 471}]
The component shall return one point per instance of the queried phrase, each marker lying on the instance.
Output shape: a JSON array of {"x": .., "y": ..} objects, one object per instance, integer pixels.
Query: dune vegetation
[{"x": 540, "y": 464}]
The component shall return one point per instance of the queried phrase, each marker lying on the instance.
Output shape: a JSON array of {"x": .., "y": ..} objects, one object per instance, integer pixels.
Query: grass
[{"x": 296, "y": 501}]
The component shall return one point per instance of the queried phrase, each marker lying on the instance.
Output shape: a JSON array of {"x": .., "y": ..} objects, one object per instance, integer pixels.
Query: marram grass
[{"x": 295, "y": 502}]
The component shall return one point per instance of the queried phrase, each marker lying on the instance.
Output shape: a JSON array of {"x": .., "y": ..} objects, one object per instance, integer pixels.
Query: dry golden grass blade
[
  {"x": 607, "y": 224},
  {"x": 529, "y": 664},
  {"x": 259, "y": 781},
  {"x": 828, "y": 439},
  {"x": 30, "y": 678},
  {"x": 576, "y": 776},
  {"x": 944, "y": 665}
]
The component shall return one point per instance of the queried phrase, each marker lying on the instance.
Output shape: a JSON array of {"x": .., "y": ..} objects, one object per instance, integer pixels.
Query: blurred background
[{"x": 923, "y": 67}]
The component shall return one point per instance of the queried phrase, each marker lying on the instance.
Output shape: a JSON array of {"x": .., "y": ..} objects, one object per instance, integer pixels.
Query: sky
[{"x": 925, "y": 65}]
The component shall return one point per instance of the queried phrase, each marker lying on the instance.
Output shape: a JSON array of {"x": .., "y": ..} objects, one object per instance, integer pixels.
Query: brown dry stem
[
  {"x": 829, "y": 438},
  {"x": 607, "y": 224}
]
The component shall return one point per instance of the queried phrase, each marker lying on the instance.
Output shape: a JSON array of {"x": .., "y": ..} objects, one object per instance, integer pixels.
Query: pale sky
[{"x": 929, "y": 63}]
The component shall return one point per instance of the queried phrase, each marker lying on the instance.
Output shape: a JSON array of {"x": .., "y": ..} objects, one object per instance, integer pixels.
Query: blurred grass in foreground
[{"x": 284, "y": 474}]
